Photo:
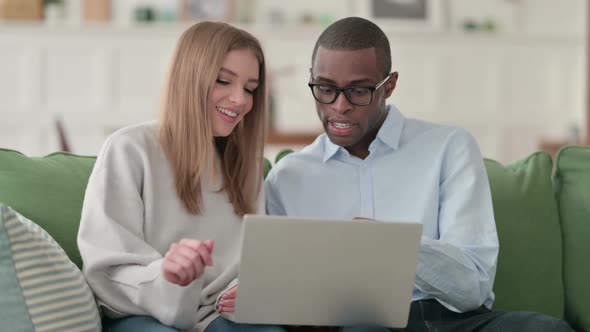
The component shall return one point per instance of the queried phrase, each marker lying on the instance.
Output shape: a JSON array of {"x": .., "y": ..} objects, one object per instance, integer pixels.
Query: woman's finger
[
  {"x": 231, "y": 293},
  {"x": 203, "y": 249},
  {"x": 205, "y": 254},
  {"x": 186, "y": 264},
  {"x": 173, "y": 272},
  {"x": 228, "y": 308},
  {"x": 197, "y": 264}
]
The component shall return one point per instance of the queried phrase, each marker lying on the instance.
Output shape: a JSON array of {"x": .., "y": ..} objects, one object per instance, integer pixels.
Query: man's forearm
[{"x": 448, "y": 274}]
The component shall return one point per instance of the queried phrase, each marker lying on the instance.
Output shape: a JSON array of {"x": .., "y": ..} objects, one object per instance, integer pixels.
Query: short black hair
[{"x": 355, "y": 33}]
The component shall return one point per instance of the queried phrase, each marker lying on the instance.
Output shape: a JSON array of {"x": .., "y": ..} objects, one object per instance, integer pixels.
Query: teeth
[
  {"x": 341, "y": 125},
  {"x": 227, "y": 112}
]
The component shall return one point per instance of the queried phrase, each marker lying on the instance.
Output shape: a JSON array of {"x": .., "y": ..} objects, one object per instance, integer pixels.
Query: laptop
[{"x": 319, "y": 272}]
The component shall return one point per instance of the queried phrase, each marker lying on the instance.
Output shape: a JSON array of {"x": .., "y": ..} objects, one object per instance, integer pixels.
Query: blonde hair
[{"x": 185, "y": 127}]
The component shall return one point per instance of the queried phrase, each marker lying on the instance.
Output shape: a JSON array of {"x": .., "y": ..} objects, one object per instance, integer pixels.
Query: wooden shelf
[
  {"x": 278, "y": 138},
  {"x": 552, "y": 147}
]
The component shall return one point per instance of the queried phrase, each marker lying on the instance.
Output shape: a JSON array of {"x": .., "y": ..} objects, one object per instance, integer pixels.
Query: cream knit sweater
[{"x": 132, "y": 214}]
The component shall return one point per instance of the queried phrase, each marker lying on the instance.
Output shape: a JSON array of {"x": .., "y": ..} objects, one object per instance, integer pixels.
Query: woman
[{"x": 161, "y": 219}]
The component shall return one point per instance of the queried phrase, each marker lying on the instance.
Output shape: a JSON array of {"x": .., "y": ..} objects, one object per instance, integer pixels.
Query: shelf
[
  {"x": 277, "y": 138},
  {"x": 553, "y": 147},
  {"x": 281, "y": 32}
]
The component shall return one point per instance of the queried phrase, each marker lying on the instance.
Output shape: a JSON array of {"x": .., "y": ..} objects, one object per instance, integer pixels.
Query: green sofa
[{"x": 542, "y": 214}]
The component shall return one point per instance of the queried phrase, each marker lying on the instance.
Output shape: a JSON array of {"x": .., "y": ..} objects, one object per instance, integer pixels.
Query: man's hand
[
  {"x": 227, "y": 303},
  {"x": 186, "y": 260}
]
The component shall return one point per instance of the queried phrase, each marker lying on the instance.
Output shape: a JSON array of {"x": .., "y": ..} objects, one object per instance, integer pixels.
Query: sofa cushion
[
  {"x": 47, "y": 291},
  {"x": 572, "y": 182},
  {"x": 48, "y": 190},
  {"x": 529, "y": 275}
]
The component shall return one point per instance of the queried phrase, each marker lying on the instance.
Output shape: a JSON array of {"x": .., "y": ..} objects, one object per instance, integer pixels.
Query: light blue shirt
[{"x": 416, "y": 172}]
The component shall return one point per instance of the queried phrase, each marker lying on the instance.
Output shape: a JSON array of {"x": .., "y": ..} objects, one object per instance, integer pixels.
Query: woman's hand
[
  {"x": 186, "y": 260},
  {"x": 227, "y": 303}
]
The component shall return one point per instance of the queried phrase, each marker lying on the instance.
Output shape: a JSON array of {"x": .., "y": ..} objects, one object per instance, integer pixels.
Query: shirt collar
[
  {"x": 330, "y": 149},
  {"x": 392, "y": 128},
  {"x": 389, "y": 133}
]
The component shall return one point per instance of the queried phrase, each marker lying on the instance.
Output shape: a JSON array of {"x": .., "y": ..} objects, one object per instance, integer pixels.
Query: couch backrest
[
  {"x": 47, "y": 190},
  {"x": 572, "y": 183},
  {"x": 529, "y": 275}
]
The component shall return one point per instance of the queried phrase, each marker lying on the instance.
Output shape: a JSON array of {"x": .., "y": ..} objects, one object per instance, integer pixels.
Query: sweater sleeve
[
  {"x": 121, "y": 268},
  {"x": 259, "y": 210}
]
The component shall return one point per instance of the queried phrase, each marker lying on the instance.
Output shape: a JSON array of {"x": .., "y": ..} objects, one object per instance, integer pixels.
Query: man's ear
[{"x": 391, "y": 84}]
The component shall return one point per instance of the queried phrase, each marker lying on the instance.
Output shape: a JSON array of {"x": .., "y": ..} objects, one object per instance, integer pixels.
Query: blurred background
[{"x": 513, "y": 72}]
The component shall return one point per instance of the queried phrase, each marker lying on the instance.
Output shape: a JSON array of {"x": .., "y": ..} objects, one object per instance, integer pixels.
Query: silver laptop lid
[{"x": 303, "y": 271}]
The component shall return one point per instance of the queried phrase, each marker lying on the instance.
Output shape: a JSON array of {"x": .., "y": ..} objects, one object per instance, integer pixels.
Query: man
[{"x": 372, "y": 162}]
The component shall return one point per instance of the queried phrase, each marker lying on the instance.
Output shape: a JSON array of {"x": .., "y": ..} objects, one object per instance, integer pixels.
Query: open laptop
[{"x": 303, "y": 271}]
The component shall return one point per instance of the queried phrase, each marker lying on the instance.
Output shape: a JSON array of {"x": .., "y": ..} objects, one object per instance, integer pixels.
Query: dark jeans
[
  {"x": 431, "y": 316},
  {"x": 150, "y": 324},
  {"x": 425, "y": 316},
  {"x": 135, "y": 324},
  {"x": 221, "y": 324}
]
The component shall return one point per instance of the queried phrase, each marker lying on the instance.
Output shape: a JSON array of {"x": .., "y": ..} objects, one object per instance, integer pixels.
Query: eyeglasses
[{"x": 359, "y": 95}]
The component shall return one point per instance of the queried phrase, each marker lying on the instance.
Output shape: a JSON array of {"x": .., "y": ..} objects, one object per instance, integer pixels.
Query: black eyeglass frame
[{"x": 338, "y": 90}]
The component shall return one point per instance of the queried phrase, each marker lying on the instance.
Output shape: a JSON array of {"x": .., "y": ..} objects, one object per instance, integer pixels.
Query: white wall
[
  {"x": 510, "y": 89},
  {"x": 540, "y": 17}
]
